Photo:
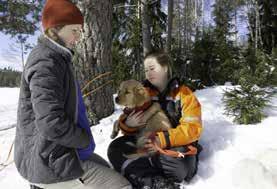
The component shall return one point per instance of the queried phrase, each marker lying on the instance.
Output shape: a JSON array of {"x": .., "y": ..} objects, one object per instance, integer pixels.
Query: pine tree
[
  {"x": 127, "y": 41},
  {"x": 256, "y": 86},
  {"x": 246, "y": 103},
  {"x": 203, "y": 59},
  {"x": 224, "y": 12}
]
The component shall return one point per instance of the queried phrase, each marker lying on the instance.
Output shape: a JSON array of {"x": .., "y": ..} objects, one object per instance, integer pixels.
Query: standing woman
[
  {"x": 53, "y": 144},
  {"x": 184, "y": 112}
]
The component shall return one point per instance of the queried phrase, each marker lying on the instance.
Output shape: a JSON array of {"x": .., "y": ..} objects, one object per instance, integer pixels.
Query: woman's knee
[
  {"x": 191, "y": 163},
  {"x": 117, "y": 143},
  {"x": 120, "y": 145},
  {"x": 115, "y": 148}
]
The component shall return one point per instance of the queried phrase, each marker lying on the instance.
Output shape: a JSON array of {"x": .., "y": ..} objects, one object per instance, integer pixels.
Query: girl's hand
[{"x": 135, "y": 119}]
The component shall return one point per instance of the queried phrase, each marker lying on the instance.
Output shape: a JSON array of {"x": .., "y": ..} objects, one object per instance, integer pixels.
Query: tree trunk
[
  {"x": 94, "y": 58},
  {"x": 196, "y": 13},
  {"x": 179, "y": 27},
  {"x": 203, "y": 15},
  {"x": 249, "y": 23},
  {"x": 22, "y": 53},
  {"x": 139, "y": 58},
  {"x": 187, "y": 26},
  {"x": 256, "y": 25},
  {"x": 146, "y": 20},
  {"x": 236, "y": 27},
  {"x": 169, "y": 25}
]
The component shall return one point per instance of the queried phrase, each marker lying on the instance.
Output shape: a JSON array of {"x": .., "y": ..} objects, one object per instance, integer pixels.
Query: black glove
[{"x": 172, "y": 167}]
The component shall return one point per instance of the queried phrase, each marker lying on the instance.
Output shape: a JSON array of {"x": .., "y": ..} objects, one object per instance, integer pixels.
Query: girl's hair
[
  {"x": 162, "y": 58},
  {"x": 52, "y": 34}
]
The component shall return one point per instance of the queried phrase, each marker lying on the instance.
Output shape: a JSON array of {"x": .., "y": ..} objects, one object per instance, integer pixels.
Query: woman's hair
[
  {"x": 52, "y": 34},
  {"x": 162, "y": 58}
]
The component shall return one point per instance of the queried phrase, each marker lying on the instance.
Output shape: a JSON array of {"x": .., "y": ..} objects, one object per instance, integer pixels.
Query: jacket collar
[
  {"x": 173, "y": 84},
  {"x": 55, "y": 46}
]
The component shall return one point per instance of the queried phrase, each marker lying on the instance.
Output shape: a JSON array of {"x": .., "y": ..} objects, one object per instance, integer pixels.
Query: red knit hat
[{"x": 60, "y": 12}]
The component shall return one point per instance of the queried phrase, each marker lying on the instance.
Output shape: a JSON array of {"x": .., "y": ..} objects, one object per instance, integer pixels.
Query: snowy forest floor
[{"x": 234, "y": 156}]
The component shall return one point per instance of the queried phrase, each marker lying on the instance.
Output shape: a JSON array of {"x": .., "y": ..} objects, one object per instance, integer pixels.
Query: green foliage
[
  {"x": 9, "y": 78},
  {"x": 213, "y": 58},
  {"x": 224, "y": 64},
  {"x": 20, "y": 17},
  {"x": 127, "y": 42},
  {"x": 258, "y": 68},
  {"x": 127, "y": 49},
  {"x": 204, "y": 59},
  {"x": 267, "y": 24},
  {"x": 209, "y": 62},
  {"x": 246, "y": 103},
  {"x": 268, "y": 17},
  {"x": 120, "y": 68},
  {"x": 158, "y": 25},
  {"x": 224, "y": 49},
  {"x": 223, "y": 13},
  {"x": 257, "y": 79}
]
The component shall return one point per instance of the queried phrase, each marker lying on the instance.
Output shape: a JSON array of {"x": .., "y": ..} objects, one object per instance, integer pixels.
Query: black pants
[{"x": 142, "y": 167}]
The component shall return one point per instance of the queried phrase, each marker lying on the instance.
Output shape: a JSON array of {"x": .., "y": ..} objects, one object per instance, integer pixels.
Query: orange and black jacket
[{"x": 182, "y": 109}]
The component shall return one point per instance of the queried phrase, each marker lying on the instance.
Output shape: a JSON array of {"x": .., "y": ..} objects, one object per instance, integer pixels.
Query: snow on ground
[
  {"x": 234, "y": 156},
  {"x": 8, "y": 106}
]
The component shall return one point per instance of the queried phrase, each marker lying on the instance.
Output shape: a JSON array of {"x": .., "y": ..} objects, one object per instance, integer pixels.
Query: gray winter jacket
[{"x": 46, "y": 134}]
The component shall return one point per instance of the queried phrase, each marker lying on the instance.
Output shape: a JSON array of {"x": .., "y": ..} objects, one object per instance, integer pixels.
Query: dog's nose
[{"x": 116, "y": 99}]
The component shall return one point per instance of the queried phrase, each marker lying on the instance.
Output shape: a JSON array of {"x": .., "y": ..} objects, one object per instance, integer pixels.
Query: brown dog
[{"x": 134, "y": 96}]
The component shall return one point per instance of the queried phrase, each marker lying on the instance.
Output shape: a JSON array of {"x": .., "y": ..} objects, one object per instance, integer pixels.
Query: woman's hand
[{"x": 135, "y": 119}]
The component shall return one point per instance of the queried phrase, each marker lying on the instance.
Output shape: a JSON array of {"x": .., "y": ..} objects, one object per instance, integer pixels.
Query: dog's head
[{"x": 131, "y": 94}]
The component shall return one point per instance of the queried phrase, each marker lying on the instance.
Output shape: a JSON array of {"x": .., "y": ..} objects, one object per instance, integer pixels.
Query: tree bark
[
  {"x": 256, "y": 25},
  {"x": 22, "y": 53},
  {"x": 169, "y": 24},
  {"x": 94, "y": 57},
  {"x": 179, "y": 27},
  {"x": 146, "y": 20}
]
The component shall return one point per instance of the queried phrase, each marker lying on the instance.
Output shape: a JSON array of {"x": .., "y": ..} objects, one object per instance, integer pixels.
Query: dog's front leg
[{"x": 115, "y": 129}]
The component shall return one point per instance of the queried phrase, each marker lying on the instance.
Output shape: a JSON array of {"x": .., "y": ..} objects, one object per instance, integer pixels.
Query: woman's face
[
  {"x": 154, "y": 72},
  {"x": 70, "y": 34}
]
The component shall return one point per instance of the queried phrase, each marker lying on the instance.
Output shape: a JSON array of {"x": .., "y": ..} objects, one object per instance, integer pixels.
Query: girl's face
[
  {"x": 70, "y": 34},
  {"x": 154, "y": 72}
]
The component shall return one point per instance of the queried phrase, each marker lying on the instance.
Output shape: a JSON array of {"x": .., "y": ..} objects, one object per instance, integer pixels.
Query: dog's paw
[
  {"x": 115, "y": 130},
  {"x": 113, "y": 135}
]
